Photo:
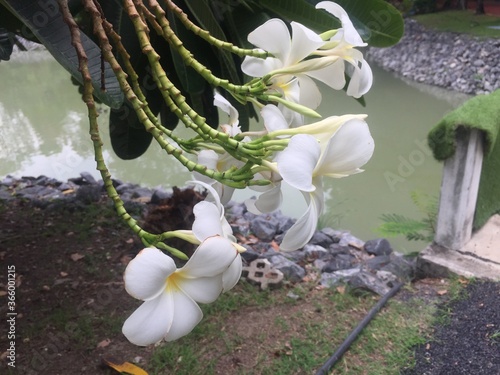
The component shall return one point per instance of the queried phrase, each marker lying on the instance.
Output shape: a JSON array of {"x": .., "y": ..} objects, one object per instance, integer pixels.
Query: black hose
[{"x": 354, "y": 334}]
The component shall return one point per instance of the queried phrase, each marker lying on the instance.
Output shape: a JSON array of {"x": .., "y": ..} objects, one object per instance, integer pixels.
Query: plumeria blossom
[
  {"x": 274, "y": 37},
  {"x": 341, "y": 48},
  {"x": 221, "y": 162},
  {"x": 171, "y": 296},
  {"x": 309, "y": 158},
  {"x": 292, "y": 67}
]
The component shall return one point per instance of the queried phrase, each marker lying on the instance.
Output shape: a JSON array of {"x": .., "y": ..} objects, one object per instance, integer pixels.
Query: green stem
[{"x": 205, "y": 35}]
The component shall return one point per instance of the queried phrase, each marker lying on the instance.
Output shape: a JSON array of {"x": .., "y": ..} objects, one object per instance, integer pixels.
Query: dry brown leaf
[
  {"x": 104, "y": 343},
  {"x": 275, "y": 246},
  {"x": 3, "y": 293},
  {"x": 76, "y": 257},
  {"x": 124, "y": 367},
  {"x": 341, "y": 289},
  {"x": 442, "y": 292}
]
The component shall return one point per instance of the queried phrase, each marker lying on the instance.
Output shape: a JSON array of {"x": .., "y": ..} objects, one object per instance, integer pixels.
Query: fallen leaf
[
  {"x": 275, "y": 246},
  {"x": 124, "y": 367},
  {"x": 341, "y": 289},
  {"x": 3, "y": 293},
  {"x": 463, "y": 281},
  {"x": 428, "y": 346},
  {"x": 104, "y": 343},
  {"x": 63, "y": 274},
  {"x": 130, "y": 241},
  {"x": 76, "y": 257},
  {"x": 442, "y": 292}
]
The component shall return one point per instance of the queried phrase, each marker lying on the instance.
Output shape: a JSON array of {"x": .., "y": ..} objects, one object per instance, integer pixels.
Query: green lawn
[{"x": 459, "y": 21}]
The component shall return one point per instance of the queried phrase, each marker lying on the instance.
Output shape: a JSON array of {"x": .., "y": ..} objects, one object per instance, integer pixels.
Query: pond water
[{"x": 44, "y": 131}]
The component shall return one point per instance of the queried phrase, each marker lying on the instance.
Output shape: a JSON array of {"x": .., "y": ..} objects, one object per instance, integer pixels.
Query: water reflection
[{"x": 44, "y": 130}]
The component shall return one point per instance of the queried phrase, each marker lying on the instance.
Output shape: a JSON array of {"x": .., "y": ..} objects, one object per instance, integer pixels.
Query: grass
[
  {"x": 464, "y": 22},
  {"x": 248, "y": 331}
]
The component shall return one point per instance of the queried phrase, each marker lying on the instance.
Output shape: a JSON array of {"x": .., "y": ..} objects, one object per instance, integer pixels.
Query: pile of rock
[
  {"x": 454, "y": 61},
  {"x": 332, "y": 257}
]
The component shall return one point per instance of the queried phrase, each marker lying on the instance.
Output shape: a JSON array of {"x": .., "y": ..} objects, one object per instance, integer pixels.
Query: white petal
[
  {"x": 207, "y": 222},
  {"x": 268, "y": 201},
  {"x": 232, "y": 275},
  {"x": 301, "y": 232},
  {"x": 212, "y": 257},
  {"x": 226, "y": 106},
  {"x": 273, "y": 36},
  {"x": 186, "y": 315},
  {"x": 201, "y": 289},
  {"x": 304, "y": 41},
  {"x": 297, "y": 162},
  {"x": 151, "y": 322},
  {"x": 255, "y": 67},
  {"x": 273, "y": 118},
  {"x": 351, "y": 35},
  {"x": 310, "y": 96},
  {"x": 348, "y": 150},
  {"x": 361, "y": 80},
  {"x": 146, "y": 274},
  {"x": 332, "y": 75}
]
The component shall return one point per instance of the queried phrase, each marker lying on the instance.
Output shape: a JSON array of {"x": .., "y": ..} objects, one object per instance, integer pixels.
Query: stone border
[
  {"x": 332, "y": 258},
  {"x": 454, "y": 61}
]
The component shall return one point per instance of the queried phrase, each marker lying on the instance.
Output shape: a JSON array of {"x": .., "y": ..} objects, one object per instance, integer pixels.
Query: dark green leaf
[{"x": 46, "y": 23}]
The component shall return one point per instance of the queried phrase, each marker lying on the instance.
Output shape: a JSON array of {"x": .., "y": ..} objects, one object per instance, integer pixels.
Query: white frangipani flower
[
  {"x": 170, "y": 295},
  {"x": 341, "y": 48},
  {"x": 307, "y": 159},
  {"x": 274, "y": 37}
]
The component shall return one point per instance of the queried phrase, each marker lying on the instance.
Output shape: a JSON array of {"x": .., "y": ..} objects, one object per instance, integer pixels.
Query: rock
[
  {"x": 88, "y": 177},
  {"x": 264, "y": 227},
  {"x": 379, "y": 246},
  {"x": 321, "y": 238},
  {"x": 291, "y": 270},
  {"x": 88, "y": 194},
  {"x": 368, "y": 281},
  {"x": 312, "y": 252},
  {"x": 332, "y": 280},
  {"x": 376, "y": 263},
  {"x": 338, "y": 263},
  {"x": 250, "y": 254},
  {"x": 402, "y": 267}
]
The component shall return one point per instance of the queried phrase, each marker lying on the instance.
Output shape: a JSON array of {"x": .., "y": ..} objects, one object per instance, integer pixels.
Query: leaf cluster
[{"x": 414, "y": 230}]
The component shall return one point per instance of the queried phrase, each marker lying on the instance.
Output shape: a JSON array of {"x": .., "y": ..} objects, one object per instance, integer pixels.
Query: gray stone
[
  {"x": 321, "y": 238},
  {"x": 88, "y": 177},
  {"x": 376, "y": 263},
  {"x": 367, "y": 281},
  {"x": 337, "y": 278},
  {"x": 402, "y": 267},
  {"x": 264, "y": 227},
  {"x": 88, "y": 194},
  {"x": 338, "y": 263},
  {"x": 291, "y": 270},
  {"x": 250, "y": 254},
  {"x": 379, "y": 246},
  {"x": 312, "y": 252}
]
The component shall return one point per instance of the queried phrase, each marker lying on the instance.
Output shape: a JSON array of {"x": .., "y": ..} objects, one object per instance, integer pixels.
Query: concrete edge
[{"x": 437, "y": 261}]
